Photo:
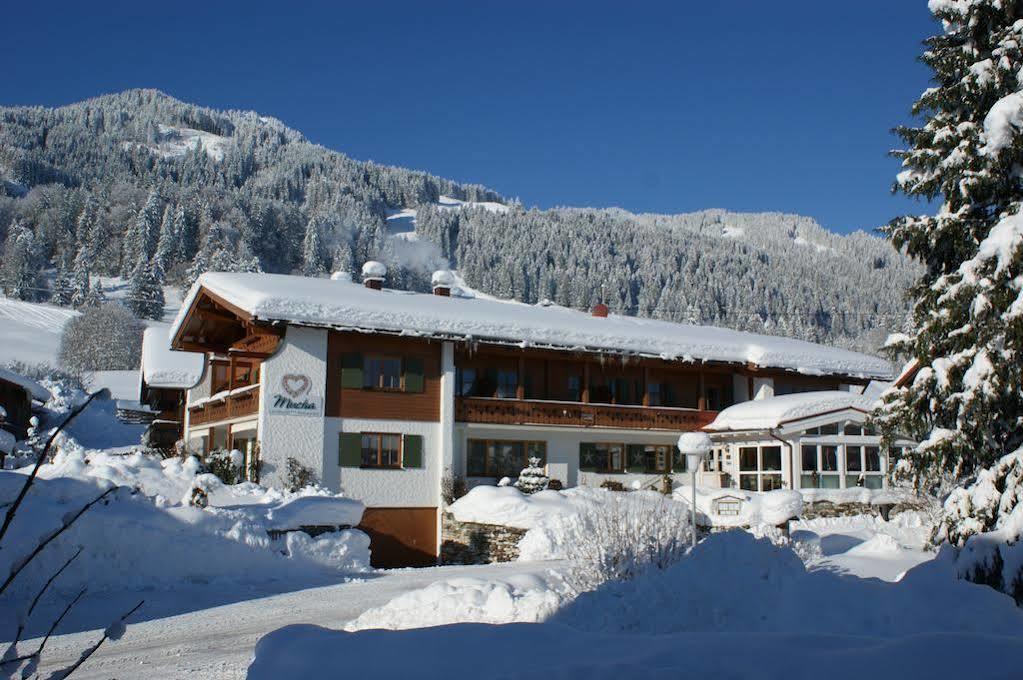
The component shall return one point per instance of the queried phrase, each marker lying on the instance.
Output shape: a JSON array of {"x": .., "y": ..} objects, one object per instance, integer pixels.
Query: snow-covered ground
[{"x": 30, "y": 332}]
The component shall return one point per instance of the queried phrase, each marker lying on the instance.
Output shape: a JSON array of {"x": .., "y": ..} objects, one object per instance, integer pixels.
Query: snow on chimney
[
  {"x": 599, "y": 309},
  {"x": 442, "y": 282},
  {"x": 373, "y": 274}
]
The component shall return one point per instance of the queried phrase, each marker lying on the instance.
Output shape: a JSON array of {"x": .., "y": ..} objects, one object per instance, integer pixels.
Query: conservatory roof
[{"x": 773, "y": 412}]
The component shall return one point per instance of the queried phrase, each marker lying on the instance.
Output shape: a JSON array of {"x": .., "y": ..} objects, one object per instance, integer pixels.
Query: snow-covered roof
[
  {"x": 37, "y": 391},
  {"x": 7, "y": 442},
  {"x": 339, "y": 304},
  {"x": 764, "y": 414},
  {"x": 164, "y": 367}
]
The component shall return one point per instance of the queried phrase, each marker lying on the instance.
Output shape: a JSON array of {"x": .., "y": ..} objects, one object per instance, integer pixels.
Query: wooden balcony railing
[
  {"x": 236, "y": 405},
  {"x": 524, "y": 412}
]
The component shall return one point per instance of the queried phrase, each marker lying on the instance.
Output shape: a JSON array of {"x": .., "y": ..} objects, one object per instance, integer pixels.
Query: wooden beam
[
  {"x": 586, "y": 382},
  {"x": 207, "y": 313}
]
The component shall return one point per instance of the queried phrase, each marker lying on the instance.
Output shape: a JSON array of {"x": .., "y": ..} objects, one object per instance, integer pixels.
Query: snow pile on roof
[
  {"x": 686, "y": 620},
  {"x": 37, "y": 391},
  {"x": 330, "y": 303},
  {"x": 164, "y": 367},
  {"x": 516, "y": 598},
  {"x": 763, "y": 414},
  {"x": 507, "y": 506}
]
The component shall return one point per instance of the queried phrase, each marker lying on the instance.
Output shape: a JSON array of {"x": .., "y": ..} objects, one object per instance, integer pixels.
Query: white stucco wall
[
  {"x": 302, "y": 352},
  {"x": 406, "y": 488}
]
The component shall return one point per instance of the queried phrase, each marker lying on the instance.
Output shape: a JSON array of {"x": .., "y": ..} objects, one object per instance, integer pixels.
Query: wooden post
[
  {"x": 702, "y": 400},
  {"x": 520, "y": 388},
  {"x": 585, "y": 381},
  {"x": 646, "y": 383}
]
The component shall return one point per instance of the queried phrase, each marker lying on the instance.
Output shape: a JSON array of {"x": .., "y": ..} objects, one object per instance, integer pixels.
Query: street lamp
[{"x": 694, "y": 446}]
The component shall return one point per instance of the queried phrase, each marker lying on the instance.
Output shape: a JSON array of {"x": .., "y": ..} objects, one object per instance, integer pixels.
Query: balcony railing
[
  {"x": 524, "y": 412},
  {"x": 235, "y": 404}
]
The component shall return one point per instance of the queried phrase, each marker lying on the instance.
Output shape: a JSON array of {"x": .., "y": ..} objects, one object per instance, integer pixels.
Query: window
[
  {"x": 574, "y": 390},
  {"x": 873, "y": 455},
  {"x": 852, "y": 429},
  {"x": 602, "y": 457},
  {"x": 221, "y": 377},
  {"x": 854, "y": 458},
  {"x": 656, "y": 458},
  {"x": 863, "y": 467},
  {"x": 496, "y": 458},
  {"x": 653, "y": 392},
  {"x": 382, "y": 373},
  {"x": 819, "y": 467},
  {"x": 466, "y": 382},
  {"x": 760, "y": 468},
  {"x": 829, "y": 429},
  {"x": 507, "y": 384},
  {"x": 380, "y": 450}
]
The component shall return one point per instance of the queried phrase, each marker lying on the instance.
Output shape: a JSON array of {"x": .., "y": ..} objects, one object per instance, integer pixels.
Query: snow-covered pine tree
[
  {"x": 96, "y": 296},
  {"x": 312, "y": 249},
  {"x": 532, "y": 478},
  {"x": 142, "y": 235},
  {"x": 965, "y": 404},
  {"x": 19, "y": 270},
  {"x": 166, "y": 245},
  {"x": 80, "y": 277},
  {"x": 145, "y": 294},
  {"x": 62, "y": 291}
]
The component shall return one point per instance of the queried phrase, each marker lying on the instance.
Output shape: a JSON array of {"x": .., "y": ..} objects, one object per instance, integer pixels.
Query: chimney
[
  {"x": 373, "y": 274},
  {"x": 442, "y": 281},
  {"x": 599, "y": 309}
]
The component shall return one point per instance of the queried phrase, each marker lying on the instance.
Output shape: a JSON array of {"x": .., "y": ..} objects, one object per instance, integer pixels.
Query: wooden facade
[
  {"x": 573, "y": 414},
  {"x": 231, "y": 406},
  {"x": 17, "y": 402},
  {"x": 394, "y": 404}
]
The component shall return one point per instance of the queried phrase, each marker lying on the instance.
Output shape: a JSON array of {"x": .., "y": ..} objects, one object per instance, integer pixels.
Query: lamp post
[{"x": 694, "y": 446}]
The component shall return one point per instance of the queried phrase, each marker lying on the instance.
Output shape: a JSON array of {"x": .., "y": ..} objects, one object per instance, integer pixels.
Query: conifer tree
[
  {"x": 312, "y": 250},
  {"x": 80, "y": 277},
  {"x": 145, "y": 294},
  {"x": 96, "y": 296},
  {"x": 20, "y": 267},
  {"x": 965, "y": 403},
  {"x": 62, "y": 289},
  {"x": 532, "y": 478},
  {"x": 167, "y": 245}
]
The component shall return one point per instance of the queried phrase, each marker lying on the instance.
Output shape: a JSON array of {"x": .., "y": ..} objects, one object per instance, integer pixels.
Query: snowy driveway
[{"x": 218, "y": 643}]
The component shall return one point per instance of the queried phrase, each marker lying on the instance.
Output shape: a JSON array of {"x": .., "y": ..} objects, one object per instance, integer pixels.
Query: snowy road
[{"x": 217, "y": 643}]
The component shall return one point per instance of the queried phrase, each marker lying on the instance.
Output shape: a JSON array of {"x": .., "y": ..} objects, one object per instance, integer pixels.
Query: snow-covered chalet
[{"x": 398, "y": 398}]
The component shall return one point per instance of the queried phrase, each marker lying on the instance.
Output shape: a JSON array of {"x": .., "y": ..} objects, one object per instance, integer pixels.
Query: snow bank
[
  {"x": 733, "y": 592},
  {"x": 860, "y": 494},
  {"x": 145, "y": 535},
  {"x": 736, "y": 508},
  {"x": 507, "y": 506},
  {"x": 323, "y": 302},
  {"x": 763, "y": 414},
  {"x": 164, "y": 367},
  {"x": 520, "y": 598}
]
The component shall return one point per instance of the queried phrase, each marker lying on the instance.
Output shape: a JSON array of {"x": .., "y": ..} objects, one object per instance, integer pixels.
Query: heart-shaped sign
[{"x": 296, "y": 385}]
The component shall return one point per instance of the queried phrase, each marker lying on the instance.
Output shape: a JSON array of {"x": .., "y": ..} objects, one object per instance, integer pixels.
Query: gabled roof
[
  {"x": 774, "y": 412},
  {"x": 35, "y": 390},
  {"x": 346, "y": 305},
  {"x": 164, "y": 367}
]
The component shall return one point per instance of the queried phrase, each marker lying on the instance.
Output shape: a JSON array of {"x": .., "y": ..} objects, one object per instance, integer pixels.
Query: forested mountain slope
[{"x": 146, "y": 186}]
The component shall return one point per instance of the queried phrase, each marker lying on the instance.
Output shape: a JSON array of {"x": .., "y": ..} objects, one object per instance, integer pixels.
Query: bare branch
[
  {"x": 46, "y": 541},
  {"x": 114, "y": 631},
  {"x": 9, "y": 517}
]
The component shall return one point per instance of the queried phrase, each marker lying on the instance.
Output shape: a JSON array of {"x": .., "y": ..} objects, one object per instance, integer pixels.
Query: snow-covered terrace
[{"x": 346, "y": 305}]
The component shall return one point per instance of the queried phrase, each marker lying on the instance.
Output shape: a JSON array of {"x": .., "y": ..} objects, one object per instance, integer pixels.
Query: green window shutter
[
  {"x": 588, "y": 458},
  {"x": 636, "y": 458},
  {"x": 351, "y": 370},
  {"x": 412, "y": 451},
  {"x": 413, "y": 374},
  {"x": 350, "y": 449}
]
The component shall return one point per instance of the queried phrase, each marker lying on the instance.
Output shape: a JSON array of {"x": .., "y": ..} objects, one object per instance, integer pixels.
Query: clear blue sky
[{"x": 665, "y": 107}]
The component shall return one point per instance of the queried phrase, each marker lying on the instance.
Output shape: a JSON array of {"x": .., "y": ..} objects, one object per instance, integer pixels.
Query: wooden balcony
[
  {"x": 574, "y": 414},
  {"x": 240, "y": 403}
]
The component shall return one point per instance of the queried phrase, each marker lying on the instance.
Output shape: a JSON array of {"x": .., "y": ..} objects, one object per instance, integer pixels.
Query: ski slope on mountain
[{"x": 30, "y": 332}]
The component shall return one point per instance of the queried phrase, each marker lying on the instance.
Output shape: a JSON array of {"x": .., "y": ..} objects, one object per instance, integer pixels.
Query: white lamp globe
[{"x": 694, "y": 446}]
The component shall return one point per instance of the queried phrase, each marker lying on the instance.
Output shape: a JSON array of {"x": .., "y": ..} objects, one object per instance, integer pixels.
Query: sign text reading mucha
[{"x": 293, "y": 397}]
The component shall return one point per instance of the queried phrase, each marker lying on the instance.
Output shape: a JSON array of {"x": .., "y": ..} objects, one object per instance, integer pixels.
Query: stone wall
[
  {"x": 473, "y": 543},
  {"x": 883, "y": 510}
]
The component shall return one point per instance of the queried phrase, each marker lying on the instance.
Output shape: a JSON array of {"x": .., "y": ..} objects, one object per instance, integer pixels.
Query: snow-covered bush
[
  {"x": 297, "y": 476},
  {"x": 532, "y": 478},
  {"x": 104, "y": 338},
  {"x": 985, "y": 520},
  {"x": 623, "y": 536},
  {"x": 226, "y": 465}
]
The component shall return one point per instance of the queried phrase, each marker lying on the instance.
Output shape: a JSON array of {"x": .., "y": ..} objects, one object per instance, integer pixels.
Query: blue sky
[{"x": 662, "y": 107}]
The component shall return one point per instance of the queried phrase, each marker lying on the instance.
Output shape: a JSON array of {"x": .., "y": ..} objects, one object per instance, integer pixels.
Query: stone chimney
[
  {"x": 600, "y": 309},
  {"x": 442, "y": 281},
  {"x": 373, "y": 274}
]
